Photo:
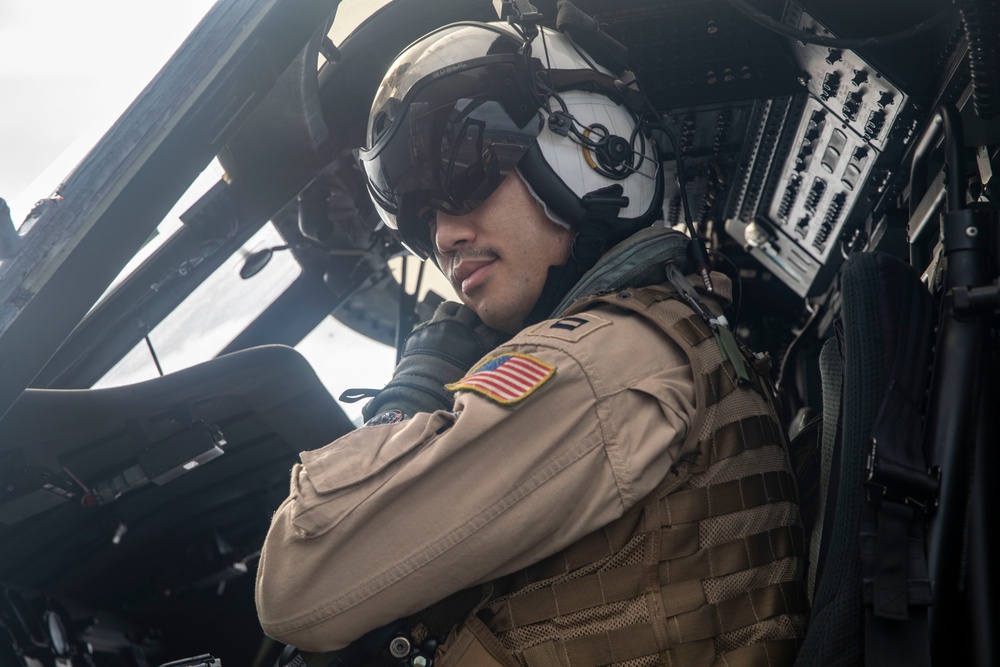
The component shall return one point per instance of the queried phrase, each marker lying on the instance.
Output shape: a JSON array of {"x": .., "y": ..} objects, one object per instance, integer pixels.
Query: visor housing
[{"x": 444, "y": 135}]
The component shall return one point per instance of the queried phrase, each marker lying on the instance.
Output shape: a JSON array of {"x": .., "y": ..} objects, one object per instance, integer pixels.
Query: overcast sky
[{"x": 68, "y": 69}]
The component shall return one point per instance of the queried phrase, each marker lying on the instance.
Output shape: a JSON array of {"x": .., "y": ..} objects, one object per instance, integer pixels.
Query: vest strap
[
  {"x": 682, "y": 597},
  {"x": 594, "y": 547},
  {"x": 737, "y": 612},
  {"x": 693, "y": 329},
  {"x": 727, "y": 497},
  {"x": 776, "y": 652},
  {"x": 732, "y": 557},
  {"x": 733, "y": 438},
  {"x": 568, "y": 597},
  {"x": 608, "y": 649},
  {"x": 722, "y": 381},
  {"x": 605, "y": 648}
]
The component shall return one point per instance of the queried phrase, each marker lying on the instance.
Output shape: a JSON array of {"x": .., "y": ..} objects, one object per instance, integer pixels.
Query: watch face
[{"x": 389, "y": 417}]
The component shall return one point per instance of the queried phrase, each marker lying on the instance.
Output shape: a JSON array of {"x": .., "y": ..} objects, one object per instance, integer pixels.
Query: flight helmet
[{"x": 465, "y": 105}]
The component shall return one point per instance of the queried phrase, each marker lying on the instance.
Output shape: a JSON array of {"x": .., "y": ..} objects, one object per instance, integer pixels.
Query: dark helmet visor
[{"x": 461, "y": 131}]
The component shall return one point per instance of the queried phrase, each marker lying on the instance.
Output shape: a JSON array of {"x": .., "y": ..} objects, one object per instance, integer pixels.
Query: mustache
[{"x": 472, "y": 252}]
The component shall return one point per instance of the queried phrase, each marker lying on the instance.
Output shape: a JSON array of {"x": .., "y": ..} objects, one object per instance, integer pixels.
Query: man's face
[{"x": 497, "y": 257}]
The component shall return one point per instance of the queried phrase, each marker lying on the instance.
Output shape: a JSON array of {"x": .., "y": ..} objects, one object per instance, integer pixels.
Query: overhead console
[
  {"x": 838, "y": 143},
  {"x": 790, "y": 147}
]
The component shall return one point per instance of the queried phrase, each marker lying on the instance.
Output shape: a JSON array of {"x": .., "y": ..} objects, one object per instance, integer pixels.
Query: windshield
[
  {"x": 350, "y": 15},
  {"x": 47, "y": 131},
  {"x": 59, "y": 101}
]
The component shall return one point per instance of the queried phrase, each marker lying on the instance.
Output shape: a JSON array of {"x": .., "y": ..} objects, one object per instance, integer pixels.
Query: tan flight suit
[{"x": 392, "y": 518}]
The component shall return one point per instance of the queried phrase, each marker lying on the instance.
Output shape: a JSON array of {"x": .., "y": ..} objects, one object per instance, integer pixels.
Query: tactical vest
[{"x": 707, "y": 570}]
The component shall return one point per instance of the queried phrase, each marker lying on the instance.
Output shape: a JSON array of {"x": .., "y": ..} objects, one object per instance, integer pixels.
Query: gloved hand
[{"x": 436, "y": 353}]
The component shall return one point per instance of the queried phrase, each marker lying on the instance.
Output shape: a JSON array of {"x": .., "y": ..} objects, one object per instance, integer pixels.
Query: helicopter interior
[{"x": 131, "y": 515}]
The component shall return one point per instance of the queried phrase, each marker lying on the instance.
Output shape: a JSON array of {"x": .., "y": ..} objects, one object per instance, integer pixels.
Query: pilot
[{"x": 578, "y": 465}]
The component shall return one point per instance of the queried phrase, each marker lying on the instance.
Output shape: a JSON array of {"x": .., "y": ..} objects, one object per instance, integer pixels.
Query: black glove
[{"x": 436, "y": 353}]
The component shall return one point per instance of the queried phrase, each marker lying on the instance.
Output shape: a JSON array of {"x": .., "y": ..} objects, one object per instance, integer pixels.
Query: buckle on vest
[{"x": 891, "y": 480}]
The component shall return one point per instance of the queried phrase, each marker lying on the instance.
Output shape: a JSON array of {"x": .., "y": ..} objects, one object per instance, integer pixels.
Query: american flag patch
[{"x": 507, "y": 378}]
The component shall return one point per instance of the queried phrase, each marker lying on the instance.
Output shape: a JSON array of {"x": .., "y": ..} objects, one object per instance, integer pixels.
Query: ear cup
[
  {"x": 606, "y": 149},
  {"x": 615, "y": 155}
]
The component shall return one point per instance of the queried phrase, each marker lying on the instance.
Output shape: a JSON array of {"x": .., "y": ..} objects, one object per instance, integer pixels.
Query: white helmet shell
[
  {"x": 465, "y": 105},
  {"x": 572, "y": 162}
]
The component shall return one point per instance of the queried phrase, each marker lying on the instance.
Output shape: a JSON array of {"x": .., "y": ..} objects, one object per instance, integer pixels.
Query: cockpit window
[
  {"x": 171, "y": 222},
  {"x": 212, "y": 315},
  {"x": 344, "y": 359},
  {"x": 350, "y": 15}
]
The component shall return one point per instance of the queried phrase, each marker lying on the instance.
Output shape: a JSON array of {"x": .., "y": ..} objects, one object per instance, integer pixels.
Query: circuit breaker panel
[{"x": 836, "y": 144}]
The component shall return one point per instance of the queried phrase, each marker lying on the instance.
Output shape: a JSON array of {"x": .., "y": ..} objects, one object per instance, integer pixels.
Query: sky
[{"x": 68, "y": 69}]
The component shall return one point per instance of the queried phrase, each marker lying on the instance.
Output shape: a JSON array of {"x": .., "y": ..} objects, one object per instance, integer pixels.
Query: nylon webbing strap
[
  {"x": 778, "y": 652},
  {"x": 680, "y": 540},
  {"x": 593, "y": 547},
  {"x": 749, "y": 433},
  {"x": 735, "y": 556},
  {"x": 691, "y": 654},
  {"x": 624, "y": 583},
  {"x": 738, "y": 612},
  {"x": 683, "y": 597},
  {"x": 831, "y": 366},
  {"x": 693, "y": 330},
  {"x": 888, "y": 319},
  {"x": 900, "y": 490},
  {"x": 605, "y": 648},
  {"x": 739, "y": 494},
  {"x": 571, "y": 596},
  {"x": 638, "y": 641},
  {"x": 722, "y": 381},
  {"x": 918, "y": 585}
]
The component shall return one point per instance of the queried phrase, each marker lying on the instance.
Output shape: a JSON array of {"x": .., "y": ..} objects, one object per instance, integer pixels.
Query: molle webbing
[
  {"x": 632, "y": 644},
  {"x": 605, "y": 587},
  {"x": 597, "y": 546},
  {"x": 706, "y": 570},
  {"x": 736, "y": 437}
]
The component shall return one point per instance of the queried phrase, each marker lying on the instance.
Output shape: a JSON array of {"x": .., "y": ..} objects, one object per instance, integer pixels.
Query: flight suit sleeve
[{"x": 391, "y": 518}]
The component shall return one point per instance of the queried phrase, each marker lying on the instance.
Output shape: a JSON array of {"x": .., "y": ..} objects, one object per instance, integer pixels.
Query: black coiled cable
[{"x": 982, "y": 26}]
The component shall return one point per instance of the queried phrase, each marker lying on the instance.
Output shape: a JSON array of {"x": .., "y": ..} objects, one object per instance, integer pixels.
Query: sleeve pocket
[
  {"x": 676, "y": 399},
  {"x": 334, "y": 480}
]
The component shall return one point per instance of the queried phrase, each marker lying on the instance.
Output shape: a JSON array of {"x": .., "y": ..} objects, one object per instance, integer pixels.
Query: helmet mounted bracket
[{"x": 520, "y": 13}]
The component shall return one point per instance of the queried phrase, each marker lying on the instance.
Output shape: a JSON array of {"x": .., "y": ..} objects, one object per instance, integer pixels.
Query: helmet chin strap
[{"x": 598, "y": 231}]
